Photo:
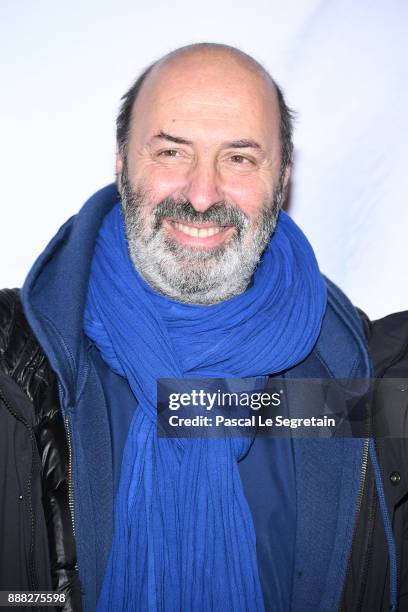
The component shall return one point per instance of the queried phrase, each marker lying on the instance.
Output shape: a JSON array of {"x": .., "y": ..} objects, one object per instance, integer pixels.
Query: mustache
[{"x": 219, "y": 213}]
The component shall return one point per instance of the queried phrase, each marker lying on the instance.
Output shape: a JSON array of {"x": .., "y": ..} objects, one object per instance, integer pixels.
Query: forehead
[{"x": 208, "y": 93}]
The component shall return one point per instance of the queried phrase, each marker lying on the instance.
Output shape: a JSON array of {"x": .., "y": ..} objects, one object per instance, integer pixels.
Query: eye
[
  {"x": 240, "y": 159},
  {"x": 168, "y": 153}
]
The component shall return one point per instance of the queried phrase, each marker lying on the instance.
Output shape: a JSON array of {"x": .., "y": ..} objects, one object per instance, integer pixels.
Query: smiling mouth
[
  {"x": 198, "y": 232},
  {"x": 204, "y": 235}
]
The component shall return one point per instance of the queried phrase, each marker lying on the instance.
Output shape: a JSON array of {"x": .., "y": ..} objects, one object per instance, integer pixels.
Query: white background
[{"x": 341, "y": 63}]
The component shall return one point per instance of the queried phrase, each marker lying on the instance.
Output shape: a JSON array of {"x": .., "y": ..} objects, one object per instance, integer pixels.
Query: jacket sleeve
[{"x": 22, "y": 360}]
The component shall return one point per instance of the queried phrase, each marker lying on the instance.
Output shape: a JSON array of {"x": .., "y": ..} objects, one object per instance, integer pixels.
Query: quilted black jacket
[
  {"x": 36, "y": 533},
  {"x": 37, "y": 549}
]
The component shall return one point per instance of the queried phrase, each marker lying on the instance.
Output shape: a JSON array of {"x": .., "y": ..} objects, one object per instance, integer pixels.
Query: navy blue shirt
[{"x": 268, "y": 477}]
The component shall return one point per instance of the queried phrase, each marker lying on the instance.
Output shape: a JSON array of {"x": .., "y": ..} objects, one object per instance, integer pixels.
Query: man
[{"x": 193, "y": 272}]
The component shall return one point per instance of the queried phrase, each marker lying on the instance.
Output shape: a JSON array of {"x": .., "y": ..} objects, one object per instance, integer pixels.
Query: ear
[
  {"x": 118, "y": 162},
  {"x": 118, "y": 168},
  {"x": 286, "y": 176}
]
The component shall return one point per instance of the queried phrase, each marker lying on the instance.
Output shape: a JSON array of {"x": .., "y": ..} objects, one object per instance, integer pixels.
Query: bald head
[
  {"x": 210, "y": 70},
  {"x": 227, "y": 59},
  {"x": 217, "y": 50}
]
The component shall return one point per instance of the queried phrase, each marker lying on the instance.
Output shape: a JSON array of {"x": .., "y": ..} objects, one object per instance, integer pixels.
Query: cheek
[
  {"x": 249, "y": 195},
  {"x": 161, "y": 182},
  {"x": 144, "y": 215}
]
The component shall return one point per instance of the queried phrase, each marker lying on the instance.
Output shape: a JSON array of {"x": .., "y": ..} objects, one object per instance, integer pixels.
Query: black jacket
[
  {"x": 367, "y": 586},
  {"x": 38, "y": 546}
]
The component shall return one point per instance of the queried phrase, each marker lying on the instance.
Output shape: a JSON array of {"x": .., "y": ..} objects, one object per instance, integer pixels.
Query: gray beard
[{"x": 189, "y": 274}]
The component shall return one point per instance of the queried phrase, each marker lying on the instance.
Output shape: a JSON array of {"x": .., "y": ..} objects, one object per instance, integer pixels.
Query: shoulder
[
  {"x": 388, "y": 341},
  {"x": 342, "y": 344},
  {"x": 14, "y": 331},
  {"x": 10, "y": 317},
  {"x": 21, "y": 357}
]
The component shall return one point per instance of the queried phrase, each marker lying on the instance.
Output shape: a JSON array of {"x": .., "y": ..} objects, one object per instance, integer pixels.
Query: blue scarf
[{"x": 183, "y": 533}]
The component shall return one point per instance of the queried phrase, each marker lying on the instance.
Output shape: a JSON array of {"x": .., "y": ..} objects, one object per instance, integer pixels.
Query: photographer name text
[{"x": 255, "y": 420}]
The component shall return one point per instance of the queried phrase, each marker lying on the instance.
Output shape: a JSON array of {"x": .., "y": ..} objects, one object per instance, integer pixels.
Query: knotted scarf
[{"x": 183, "y": 533}]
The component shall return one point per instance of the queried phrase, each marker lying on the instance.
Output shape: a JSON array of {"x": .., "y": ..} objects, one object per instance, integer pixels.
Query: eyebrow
[
  {"x": 242, "y": 143},
  {"x": 176, "y": 139}
]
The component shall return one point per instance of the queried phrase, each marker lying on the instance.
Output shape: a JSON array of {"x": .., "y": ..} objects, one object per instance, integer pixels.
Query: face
[{"x": 201, "y": 184}]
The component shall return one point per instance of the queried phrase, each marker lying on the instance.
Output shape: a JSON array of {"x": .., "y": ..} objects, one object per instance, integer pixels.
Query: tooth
[{"x": 196, "y": 232}]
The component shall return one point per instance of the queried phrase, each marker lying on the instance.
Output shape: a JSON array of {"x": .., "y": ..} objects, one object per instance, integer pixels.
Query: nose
[{"x": 202, "y": 188}]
